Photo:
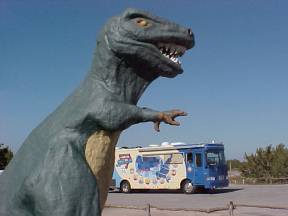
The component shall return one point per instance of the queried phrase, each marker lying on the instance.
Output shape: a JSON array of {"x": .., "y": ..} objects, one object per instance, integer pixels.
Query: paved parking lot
[
  {"x": 269, "y": 196},
  {"x": 154, "y": 212}
]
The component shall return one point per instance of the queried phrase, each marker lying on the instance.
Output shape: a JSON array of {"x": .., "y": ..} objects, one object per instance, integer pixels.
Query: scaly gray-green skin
[{"x": 49, "y": 174}]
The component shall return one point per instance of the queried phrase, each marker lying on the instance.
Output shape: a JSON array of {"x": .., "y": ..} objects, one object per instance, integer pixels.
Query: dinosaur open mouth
[{"x": 171, "y": 51}]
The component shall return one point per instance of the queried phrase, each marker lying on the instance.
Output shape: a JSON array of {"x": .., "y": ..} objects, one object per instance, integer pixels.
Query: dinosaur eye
[{"x": 141, "y": 22}]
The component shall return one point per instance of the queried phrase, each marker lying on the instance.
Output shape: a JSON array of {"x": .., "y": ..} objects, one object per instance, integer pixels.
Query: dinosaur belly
[{"x": 100, "y": 155}]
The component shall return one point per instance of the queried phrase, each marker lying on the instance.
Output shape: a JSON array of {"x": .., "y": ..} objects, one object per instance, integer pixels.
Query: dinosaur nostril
[{"x": 190, "y": 32}]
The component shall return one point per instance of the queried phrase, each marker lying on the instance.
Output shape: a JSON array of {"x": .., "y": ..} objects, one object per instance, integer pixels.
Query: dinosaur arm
[
  {"x": 120, "y": 116},
  {"x": 168, "y": 117},
  {"x": 157, "y": 117}
]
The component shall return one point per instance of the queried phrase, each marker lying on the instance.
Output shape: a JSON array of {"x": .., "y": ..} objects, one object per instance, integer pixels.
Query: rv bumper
[{"x": 217, "y": 182}]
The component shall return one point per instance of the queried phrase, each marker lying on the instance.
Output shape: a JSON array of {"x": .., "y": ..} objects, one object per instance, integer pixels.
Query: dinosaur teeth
[
  {"x": 171, "y": 51},
  {"x": 172, "y": 58}
]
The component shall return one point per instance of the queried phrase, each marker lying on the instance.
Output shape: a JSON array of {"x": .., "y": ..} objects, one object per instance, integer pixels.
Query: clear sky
[{"x": 234, "y": 85}]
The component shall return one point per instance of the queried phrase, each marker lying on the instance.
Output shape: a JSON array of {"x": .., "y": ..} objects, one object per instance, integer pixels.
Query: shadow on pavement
[
  {"x": 199, "y": 191},
  {"x": 220, "y": 191}
]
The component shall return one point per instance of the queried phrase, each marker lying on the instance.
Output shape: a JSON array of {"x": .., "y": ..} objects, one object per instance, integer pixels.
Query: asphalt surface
[
  {"x": 261, "y": 200},
  {"x": 154, "y": 212}
]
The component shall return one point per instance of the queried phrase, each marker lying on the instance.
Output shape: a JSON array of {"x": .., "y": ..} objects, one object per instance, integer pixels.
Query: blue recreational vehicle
[{"x": 171, "y": 166}]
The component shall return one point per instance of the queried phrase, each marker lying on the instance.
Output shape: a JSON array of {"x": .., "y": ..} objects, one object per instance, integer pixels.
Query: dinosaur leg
[{"x": 64, "y": 186}]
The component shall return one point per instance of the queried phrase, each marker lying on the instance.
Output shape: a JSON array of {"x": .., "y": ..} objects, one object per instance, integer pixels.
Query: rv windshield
[{"x": 214, "y": 158}]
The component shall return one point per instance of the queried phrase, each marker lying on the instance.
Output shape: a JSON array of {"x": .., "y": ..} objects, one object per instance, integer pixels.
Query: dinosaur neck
[{"x": 118, "y": 76}]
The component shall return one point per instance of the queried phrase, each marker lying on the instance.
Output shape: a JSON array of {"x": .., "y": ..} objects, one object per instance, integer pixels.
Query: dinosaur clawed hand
[{"x": 168, "y": 117}]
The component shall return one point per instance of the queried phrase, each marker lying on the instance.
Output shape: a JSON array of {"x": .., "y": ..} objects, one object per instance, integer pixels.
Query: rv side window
[
  {"x": 198, "y": 160},
  {"x": 176, "y": 158},
  {"x": 189, "y": 157}
]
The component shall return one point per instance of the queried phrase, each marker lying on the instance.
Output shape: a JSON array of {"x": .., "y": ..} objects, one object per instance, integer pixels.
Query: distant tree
[
  {"x": 5, "y": 156},
  {"x": 266, "y": 163},
  {"x": 235, "y": 164},
  {"x": 280, "y": 162}
]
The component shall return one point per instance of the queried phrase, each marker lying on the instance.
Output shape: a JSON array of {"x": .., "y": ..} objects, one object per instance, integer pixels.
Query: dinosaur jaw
[
  {"x": 169, "y": 64},
  {"x": 171, "y": 51}
]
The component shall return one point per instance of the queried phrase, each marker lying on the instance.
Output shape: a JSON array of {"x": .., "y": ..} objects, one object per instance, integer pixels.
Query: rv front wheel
[
  {"x": 187, "y": 187},
  {"x": 125, "y": 187}
]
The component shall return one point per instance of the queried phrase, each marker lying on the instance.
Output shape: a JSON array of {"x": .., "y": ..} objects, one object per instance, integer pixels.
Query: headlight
[{"x": 211, "y": 178}]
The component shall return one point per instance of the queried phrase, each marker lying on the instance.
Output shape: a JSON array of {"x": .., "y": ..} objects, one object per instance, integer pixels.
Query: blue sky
[{"x": 234, "y": 85}]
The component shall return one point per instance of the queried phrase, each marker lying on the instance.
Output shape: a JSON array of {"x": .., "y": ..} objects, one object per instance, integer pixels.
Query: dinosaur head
[{"x": 149, "y": 43}]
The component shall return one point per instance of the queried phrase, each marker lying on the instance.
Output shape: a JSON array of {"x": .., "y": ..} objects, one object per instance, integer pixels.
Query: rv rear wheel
[
  {"x": 125, "y": 187},
  {"x": 187, "y": 187}
]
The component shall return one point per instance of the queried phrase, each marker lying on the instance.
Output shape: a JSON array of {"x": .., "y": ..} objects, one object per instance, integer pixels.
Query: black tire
[
  {"x": 125, "y": 187},
  {"x": 187, "y": 187}
]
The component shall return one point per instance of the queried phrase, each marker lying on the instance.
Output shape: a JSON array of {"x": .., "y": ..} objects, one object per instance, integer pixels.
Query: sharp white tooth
[{"x": 172, "y": 50}]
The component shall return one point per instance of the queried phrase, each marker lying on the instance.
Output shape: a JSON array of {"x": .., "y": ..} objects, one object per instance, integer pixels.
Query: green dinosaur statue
[{"x": 65, "y": 165}]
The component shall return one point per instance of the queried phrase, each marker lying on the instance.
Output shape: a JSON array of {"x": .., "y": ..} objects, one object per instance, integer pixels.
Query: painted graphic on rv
[
  {"x": 150, "y": 169},
  {"x": 124, "y": 160},
  {"x": 155, "y": 168}
]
